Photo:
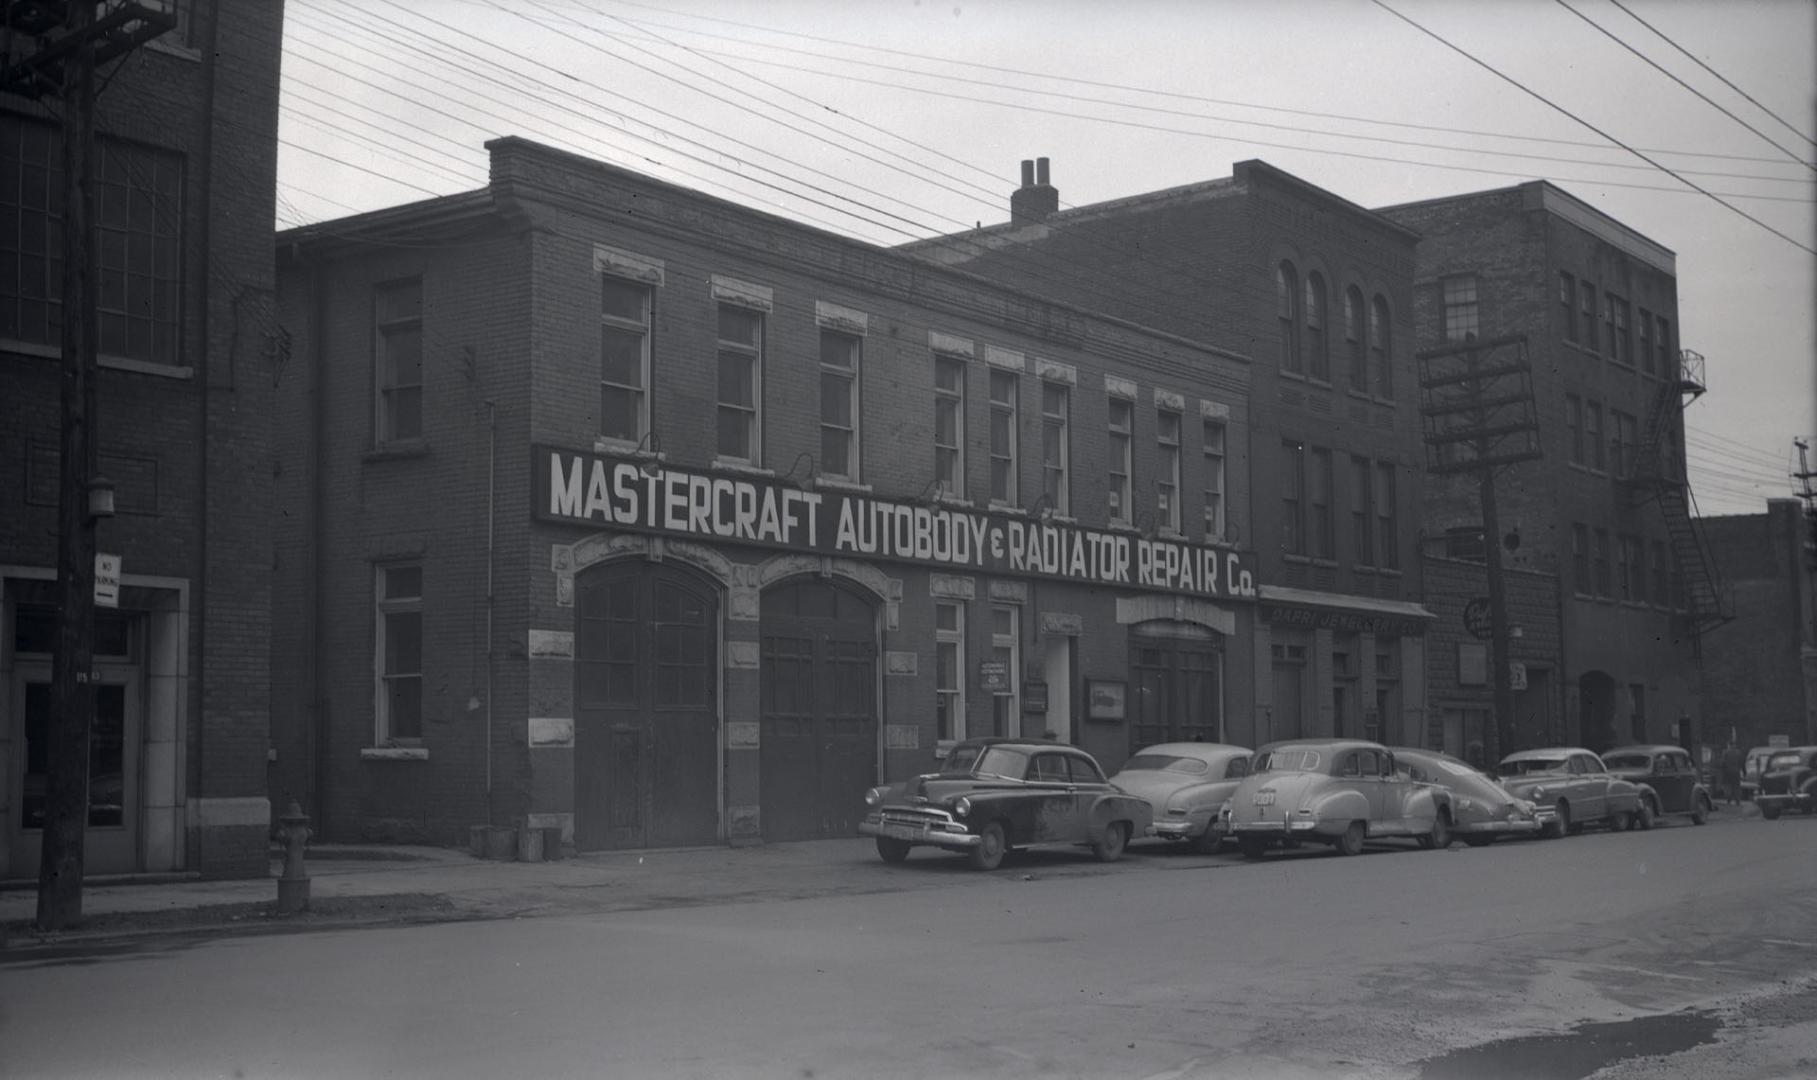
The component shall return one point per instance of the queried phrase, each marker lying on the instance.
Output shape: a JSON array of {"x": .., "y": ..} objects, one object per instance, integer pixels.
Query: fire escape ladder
[{"x": 1658, "y": 472}]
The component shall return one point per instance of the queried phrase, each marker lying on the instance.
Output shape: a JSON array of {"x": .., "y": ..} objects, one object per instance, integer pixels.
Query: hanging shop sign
[
  {"x": 1348, "y": 622},
  {"x": 628, "y": 493}
]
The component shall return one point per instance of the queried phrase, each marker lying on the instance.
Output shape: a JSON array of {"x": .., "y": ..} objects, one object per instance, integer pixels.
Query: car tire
[
  {"x": 1351, "y": 843},
  {"x": 892, "y": 851},
  {"x": 1438, "y": 838},
  {"x": 988, "y": 855},
  {"x": 1480, "y": 839},
  {"x": 1700, "y": 809},
  {"x": 1643, "y": 818},
  {"x": 1208, "y": 842},
  {"x": 1252, "y": 847},
  {"x": 1770, "y": 811},
  {"x": 1108, "y": 847},
  {"x": 1566, "y": 827}
]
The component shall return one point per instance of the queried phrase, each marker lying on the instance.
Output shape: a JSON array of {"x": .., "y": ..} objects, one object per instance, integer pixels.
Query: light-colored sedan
[
  {"x": 1186, "y": 783},
  {"x": 1481, "y": 809},
  {"x": 1570, "y": 788},
  {"x": 1333, "y": 791}
]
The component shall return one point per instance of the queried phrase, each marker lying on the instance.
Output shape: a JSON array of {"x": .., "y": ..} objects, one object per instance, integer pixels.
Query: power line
[{"x": 1523, "y": 88}]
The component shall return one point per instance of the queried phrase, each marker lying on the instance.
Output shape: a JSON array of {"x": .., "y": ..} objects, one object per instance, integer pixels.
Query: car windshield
[
  {"x": 1782, "y": 761},
  {"x": 985, "y": 761},
  {"x": 1165, "y": 763},
  {"x": 1627, "y": 761},
  {"x": 1528, "y": 766},
  {"x": 1289, "y": 759}
]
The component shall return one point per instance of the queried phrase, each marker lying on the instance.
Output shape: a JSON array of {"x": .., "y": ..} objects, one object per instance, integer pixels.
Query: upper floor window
[
  {"x": 1293, "y": 497},
  {"x": 1586, "y": 293},
  {"x": 1120, "y": 437},
  {"x": 624, "y": 358},
  {"x": 1580, "y": 558},
  {"x": 1461, "y": 322},
  {"x": 138, "y": 199},
  {"x": 1287, "y": 314},
  {"x": 1623, "y": 441},
  {"x": 949, "y": 424},
  {"x": 1668, "y": 368},
  {"x": 1574, "y": 426},
  {"x": 1622, "y": 344},
  {"x": 1662, "y": 575},
  {"x": 1643, "y": 351},
  {"x": 839, "y": 436},
  {"x": 1567, "y": 300},
  {"x": 397, "y": 317},
  {"x": 1318, "y": 353},
  {"x": 1214, "y": 479},
  {"x": 1604, "y": 586},
  {"x": 740, "y": 383},
  {"x": 1387, "y": 518},
  {"x": 1056, "y": 448},
  {"x": 1004, "y": 393},
  {"x": 1362, "y": 511},
  {"x": 1593, "y": 435},
  {"x": 398, "y": 661},
  {"x": 1381, "y": 347},
  {"x": 1323, "y": 526},
  {"x": 1167, "y": 469},
  {"x": 1608, "y": 324},
  {"x": 1353, "y": 339}
]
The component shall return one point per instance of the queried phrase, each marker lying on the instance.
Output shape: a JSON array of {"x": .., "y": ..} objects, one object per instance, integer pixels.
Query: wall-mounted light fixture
[{"x": 100, "y": 497}]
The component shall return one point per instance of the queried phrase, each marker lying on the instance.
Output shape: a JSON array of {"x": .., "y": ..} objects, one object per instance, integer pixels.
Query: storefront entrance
[
  {"x": 646, "y": 692},
  {"x": 819, "y": 708},
  {"x": 110, "y": 840},
  {"x": 1175, "y": 673}
]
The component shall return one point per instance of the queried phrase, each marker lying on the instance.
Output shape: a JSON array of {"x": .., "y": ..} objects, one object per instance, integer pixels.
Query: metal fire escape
[
  {"x": 34, "y": 44},
  {"x": 1657, "y": 472}
]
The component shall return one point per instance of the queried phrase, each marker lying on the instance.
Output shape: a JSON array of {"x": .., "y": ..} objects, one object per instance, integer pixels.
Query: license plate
[
  {"x": 1263, "y": 798},
  {"x": 903, "y": 832}
]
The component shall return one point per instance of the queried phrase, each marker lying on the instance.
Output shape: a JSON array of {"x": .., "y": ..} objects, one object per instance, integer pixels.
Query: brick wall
[{"x": 1756, "y": 682}]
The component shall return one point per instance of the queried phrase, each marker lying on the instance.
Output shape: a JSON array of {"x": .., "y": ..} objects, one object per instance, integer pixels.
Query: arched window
[
  {"x": 1287, "y": 303},
  {"x": 1353, "y": 339},
  {"x": 1381, "y": 347},
  {"x": 1318, "y": 358}
]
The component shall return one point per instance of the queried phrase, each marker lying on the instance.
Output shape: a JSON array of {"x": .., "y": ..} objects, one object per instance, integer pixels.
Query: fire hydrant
[{"x": 293, "y": 883}]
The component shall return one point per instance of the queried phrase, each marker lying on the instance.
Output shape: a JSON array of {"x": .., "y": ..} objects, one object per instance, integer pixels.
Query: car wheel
[
  {"x": 892, "y": 850},
  {"x": 1480, "y": 839},
  {"x": 1769, "y": 810},
  {"x": 1208, "y": 842},
  {"x": 1700, "y": 810},
  {"x": 988, "y": 855},
  {"x": 1351, "y": 843},
  {"x": 1108, "y": 847},
  {"x": 1252, "y": 847},
  {"x": 1643, "y": 818},
  {"x": 1439, "y": 836},
  {"x": 1561, "y": 823}
]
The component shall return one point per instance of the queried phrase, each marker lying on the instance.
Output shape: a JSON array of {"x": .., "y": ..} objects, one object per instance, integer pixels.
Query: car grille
[
  {"x": 1775, "y": 785},
  {"x": 915, "y": 819}
]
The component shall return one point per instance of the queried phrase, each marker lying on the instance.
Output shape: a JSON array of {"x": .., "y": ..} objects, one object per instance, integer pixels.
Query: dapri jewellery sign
[{"x": 610, "y": 491}]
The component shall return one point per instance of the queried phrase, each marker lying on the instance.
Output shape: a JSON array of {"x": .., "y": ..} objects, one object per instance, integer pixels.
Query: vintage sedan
[
  {"x": 1481, "y": 809},
  {"x": 1333, "y": 791},
  {"x": 995, "y": 795},
  {"x": 1185, "y": 785},
  {"x": 1668, "y": 781},
  {"x": 1788, "y": 781},
  {"x": 1571, "y": 788}
]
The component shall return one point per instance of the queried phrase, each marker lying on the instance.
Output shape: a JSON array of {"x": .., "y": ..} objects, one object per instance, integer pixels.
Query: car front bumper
[
  {"x": 1296, "y": 827},
  {"x": 1798, "y": 801},
  {"x": 1517, "y": 825},
  {"x": 952, "y": 835}
]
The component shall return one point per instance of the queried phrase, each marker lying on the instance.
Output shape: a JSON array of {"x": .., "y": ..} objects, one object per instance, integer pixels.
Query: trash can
[
  {"x": 501, "y": 843},
  {"x": 552, "y": 842},
  {"x": 529, "y": 845}
]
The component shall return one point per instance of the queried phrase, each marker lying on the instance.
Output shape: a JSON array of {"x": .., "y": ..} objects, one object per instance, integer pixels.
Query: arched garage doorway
[
  {"x": 819, "y": 708},
  {"x": 646, "y": 691}
]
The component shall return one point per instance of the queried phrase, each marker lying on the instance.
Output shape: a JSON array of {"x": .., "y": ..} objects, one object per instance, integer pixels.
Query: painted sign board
[
  {"x": 107, "y": 580},
  {"x": 993, "y": 676},
  {"x": 614, "y": 491}
]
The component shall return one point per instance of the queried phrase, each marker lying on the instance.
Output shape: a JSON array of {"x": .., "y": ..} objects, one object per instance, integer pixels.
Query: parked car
[
  {"x": 1570, "y": 788},
  {"x": 1668, "y": 782},
  {"x": 1481, "y": 809},
  {"x": 1751, "y": 768},
  {"x": 1185, "y": 785},
  {"x": 1333, "y": 791},
  {"x": 1788, "y": 781},
  {"x": 995, "y": 795}
]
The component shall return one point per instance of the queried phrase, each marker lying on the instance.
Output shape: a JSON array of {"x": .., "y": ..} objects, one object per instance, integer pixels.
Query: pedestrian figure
[{"x": 1731, "y": 771}]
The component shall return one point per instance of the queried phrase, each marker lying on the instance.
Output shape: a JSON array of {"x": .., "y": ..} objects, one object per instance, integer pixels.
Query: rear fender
[
  {"x": 1118, "y": 807},
  {"x": 1336, "y": 810}
]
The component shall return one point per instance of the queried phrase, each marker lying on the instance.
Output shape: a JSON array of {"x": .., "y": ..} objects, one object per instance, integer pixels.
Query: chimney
[{"x": 1036, "y": 200}]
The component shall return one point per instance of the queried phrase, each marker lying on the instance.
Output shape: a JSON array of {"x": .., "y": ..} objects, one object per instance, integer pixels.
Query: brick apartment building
[
  {"x": 1319, "y": 291},
  {"x": 1607, "y": 508},
  {"x": 611, "y": 506},
  {"x": 186, "y": 163},
  {"x": 1761, "y": 671}
]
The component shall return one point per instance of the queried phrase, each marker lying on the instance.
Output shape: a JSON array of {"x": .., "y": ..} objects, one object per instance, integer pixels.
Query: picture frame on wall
[{"x": 1106, "y": 699}]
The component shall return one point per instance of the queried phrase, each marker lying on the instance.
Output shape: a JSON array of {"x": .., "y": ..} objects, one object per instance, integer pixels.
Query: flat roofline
[{"x": 1546, "y": 195}]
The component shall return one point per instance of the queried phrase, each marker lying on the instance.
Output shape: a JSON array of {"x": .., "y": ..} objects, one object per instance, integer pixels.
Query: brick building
[
  {"x": 186, "y": 165},
  {"x": 615, "y": 507},
  {"x": 1319, "y": 291},
  {"x": 1760, "y": 677},
  {"x": 1607, "y": 508}
]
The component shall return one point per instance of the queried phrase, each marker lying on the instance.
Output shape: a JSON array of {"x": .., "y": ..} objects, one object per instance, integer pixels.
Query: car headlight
[
  {"x": 1539, "y": 793},
  {"x": 963, "y": 807},
  {"x": 873, "y": 797}
]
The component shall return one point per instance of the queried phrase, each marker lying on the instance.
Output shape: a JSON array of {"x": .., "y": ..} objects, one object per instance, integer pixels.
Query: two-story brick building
[
  {"x": 1760, "y": 679},
  {"x": 612, "y": 506},
  {"x": 186, "y": 159},
  {"x": 1319, "y": 291}
]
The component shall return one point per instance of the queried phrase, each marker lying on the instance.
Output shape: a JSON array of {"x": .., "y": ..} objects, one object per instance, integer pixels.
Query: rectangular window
[
  {"x": 1574, "y": 426},
  {"x": 1354, "y": 331},
  {"x": 740, "y": 384},
  {"x": 1003, "y": 436},
  {"x": 1167, "y": 469},
  {"x": 1214, "y": 479},
  {"x": 839, "y": 412},
  {"x": 1318, "y": 358},
  {"x": 1567, "y": 300},
  {"x": 1293, "y": 499},
  {"x": 1056, "y": 445},
  {"x": 1381, "y": 351},
  {"x": 1624, "y": 567},
  {"x": 1662, "y": 571},
  {"x": 624, "y": 358},
  {"x": 1608, "y": 325},
  {"x": 949, "y": 669},
  {"x": 397, "y": 317},
  {"x": 1324, "y": 538},
  {"x": 137, "y": 230},
  {"x": 1639, "y": 564},
  {"x": 949, "y": 425},
  {"x": 1644, "y": 350},
  {"x": 398, "y": 708},
  {"x": 1586, "y": 293},
  {"x": 1668, "y": 366},
  {"x": 1006, "y": 627},
  {"x": 1362, "y": 529},
  {"x": 1593, "y": 435},
  {"x": 1604, "y": 586},
  {"x": 1121, "y": 441},
  {"x": 1624, "y": 441},
  {"x": 1387, "y": 533},
  {"x": 1461, "y": 322},
  {"x": 1624, "y": 342}
]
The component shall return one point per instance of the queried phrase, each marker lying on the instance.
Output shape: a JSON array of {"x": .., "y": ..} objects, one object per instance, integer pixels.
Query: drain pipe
[{"x": 491, "y": 520}]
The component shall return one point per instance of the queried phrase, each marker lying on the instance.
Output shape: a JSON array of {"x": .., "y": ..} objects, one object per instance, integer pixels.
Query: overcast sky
[{"x": 890, "y": 120}]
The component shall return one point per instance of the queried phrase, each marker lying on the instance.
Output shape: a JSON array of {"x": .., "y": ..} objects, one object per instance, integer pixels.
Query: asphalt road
[{"x": 1168, "y": 965}]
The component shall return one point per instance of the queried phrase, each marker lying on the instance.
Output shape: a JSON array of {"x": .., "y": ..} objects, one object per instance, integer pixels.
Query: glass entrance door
[{"x": 111, "y": 842}]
